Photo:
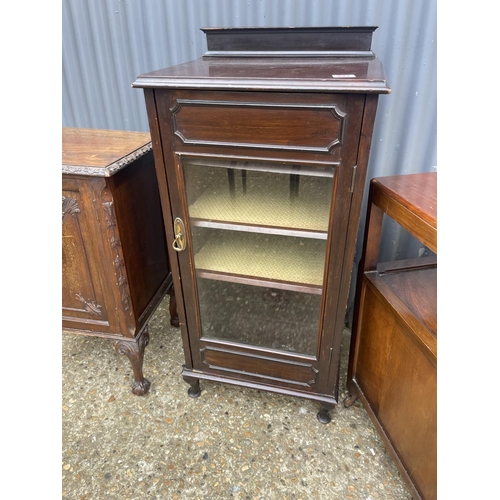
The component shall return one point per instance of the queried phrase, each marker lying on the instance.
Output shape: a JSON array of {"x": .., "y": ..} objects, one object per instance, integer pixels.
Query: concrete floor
[{"x": 231, "y": 442}]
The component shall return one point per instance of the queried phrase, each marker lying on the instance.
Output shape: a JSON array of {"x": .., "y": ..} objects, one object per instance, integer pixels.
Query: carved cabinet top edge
[{"x": 101, "y": 153}]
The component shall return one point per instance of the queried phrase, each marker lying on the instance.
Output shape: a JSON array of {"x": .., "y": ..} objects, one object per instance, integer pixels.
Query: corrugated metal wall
[{"x": 107, "y": 43}]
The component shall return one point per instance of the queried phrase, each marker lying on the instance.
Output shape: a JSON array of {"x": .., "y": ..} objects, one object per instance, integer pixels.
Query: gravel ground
[{"x": 231, "y": 442}]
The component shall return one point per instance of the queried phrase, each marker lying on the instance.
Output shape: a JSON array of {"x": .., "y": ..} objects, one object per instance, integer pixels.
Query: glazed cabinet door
[
  {"x": 259, "y": 222},
  {"x": 258, "y": 239}
]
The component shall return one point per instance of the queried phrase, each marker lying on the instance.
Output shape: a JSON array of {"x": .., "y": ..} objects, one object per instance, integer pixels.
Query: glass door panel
[{"x": 259, "y": 231}]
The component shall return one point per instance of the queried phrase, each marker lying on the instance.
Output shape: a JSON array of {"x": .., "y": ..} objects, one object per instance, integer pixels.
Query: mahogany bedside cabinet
[
  {"x": 393, "y": 357},
  {"x": 261, "y": 148},
  {"x": 115, "y": 268}
]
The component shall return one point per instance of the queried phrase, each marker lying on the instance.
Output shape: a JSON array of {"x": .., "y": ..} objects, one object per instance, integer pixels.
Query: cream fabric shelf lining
[
  {"x": 269, "y": 257},
  {"x": 266, "y": 204}
]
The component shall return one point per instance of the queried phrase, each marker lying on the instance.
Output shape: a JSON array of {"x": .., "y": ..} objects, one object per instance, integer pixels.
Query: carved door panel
[{"x": 83, "y": 298}]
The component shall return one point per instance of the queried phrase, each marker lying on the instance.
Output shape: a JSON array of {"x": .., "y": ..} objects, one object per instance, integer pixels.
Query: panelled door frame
[{"x": 338, "y": 227}]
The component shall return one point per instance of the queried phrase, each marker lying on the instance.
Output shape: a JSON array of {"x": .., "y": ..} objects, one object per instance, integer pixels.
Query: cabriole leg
[{"x": 134, "y": 350}]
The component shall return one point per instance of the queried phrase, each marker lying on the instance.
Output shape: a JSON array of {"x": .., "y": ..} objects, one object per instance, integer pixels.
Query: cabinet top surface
[
  {"x": 415, "y": 192},
  {"x": 101, "y": 152},
  {"x": 333, "y": 59}
]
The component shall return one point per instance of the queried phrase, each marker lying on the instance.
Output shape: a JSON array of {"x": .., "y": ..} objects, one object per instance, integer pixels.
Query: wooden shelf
[
  {"x": 300, "y": 168},
  {"x": 411, "y": 296},
  {"x": 263, "y": 260},
  {"x": 417, "y": 290},
  {"x": 265, "y": 204}
]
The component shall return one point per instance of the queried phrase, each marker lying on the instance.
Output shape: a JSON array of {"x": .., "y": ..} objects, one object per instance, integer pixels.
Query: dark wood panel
[
  {"x": 374, "y": 333},
  {"x": 408, "y": 412},
  {"x": 294, "y": 39},
  {"x": 398, "y": 382},
  {"x": 166, "y": 100},
  {"x": 265, "y": 124},
  {"x": 272, "y": 369},
  {"x": 137, "y": 206},
  {"x": 83, "y": 297}
]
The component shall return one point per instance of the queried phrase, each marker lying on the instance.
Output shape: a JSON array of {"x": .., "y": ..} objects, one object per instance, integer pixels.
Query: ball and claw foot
[
  {"x": 323, "y": 416},
  {"x": 349, "y": 400},
  {"x": 141, "y": 387}
]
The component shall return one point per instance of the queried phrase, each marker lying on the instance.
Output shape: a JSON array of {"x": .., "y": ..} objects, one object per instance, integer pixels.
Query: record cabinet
[{"x": 261, "y": 150}]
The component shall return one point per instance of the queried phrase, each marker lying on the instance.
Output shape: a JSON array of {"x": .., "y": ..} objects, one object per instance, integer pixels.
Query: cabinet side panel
[
  {"x": 83, "y": 297},
  {"x": 408, "y": 411},
  {"x": 142, "y": 233},
  {"x": 399, "y": 383},
  {"x": 375, "y": 334}
]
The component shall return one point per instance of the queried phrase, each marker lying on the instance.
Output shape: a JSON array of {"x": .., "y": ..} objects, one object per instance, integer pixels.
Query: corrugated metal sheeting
[{"x": 107, "y": 43}]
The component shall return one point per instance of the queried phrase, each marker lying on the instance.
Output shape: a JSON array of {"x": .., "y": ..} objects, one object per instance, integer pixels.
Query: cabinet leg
[
  {"x": 194, "y": 391},
  {"x": 135, "y": 353},
  {"x": 174, "y": 317},
  {"x": 323, "y": 415},
  {"x": 349, "y": 400}
]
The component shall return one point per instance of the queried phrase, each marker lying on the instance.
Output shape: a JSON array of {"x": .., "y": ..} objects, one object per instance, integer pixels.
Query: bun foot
[
  {"x": 324, "y": 416},
  {"x": 194, "y": 391}
]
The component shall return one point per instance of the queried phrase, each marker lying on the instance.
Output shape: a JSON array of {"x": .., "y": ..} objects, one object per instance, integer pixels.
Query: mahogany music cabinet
[
  {"x": 261, "y": 149},
  {"x": 393, "y": 356},
  {"x": 115, "y": 268}
]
